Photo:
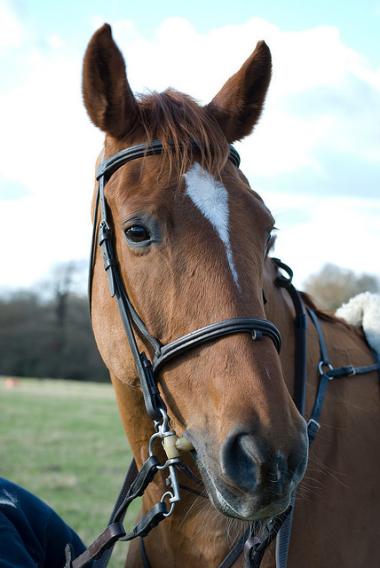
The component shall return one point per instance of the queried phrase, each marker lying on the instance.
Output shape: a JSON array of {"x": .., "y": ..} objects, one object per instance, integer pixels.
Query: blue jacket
[{"x": 31, "y": 534}]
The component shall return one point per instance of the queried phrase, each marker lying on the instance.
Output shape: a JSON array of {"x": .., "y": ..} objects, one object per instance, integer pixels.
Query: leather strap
[
  {"x": 328, "y": 373},
  {"x": 106, "y": 539},
  {"x": 254, "y": 550},
  {"x": 256, "y": 327},
  {"x": 109, "y": 166},
  {"x": 130, "y": 477},
  {"x": 134, "y": 484},
  {"x": 235, "y": 552},
  {"x": 324, "y": 355},
  {"x": 300, "y": 325},
  {"x": 299, "y": 393},
  {"x": 144, "y": 554},
  {"x": 350, "y": 370},
  {"x": 255, "y": 546}
]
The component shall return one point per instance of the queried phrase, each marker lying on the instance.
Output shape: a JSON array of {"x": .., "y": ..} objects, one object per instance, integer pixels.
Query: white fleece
[{"x": 364, "y": 310}]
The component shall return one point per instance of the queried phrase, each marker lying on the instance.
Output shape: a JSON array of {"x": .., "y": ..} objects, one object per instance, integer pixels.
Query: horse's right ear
[{"x": 107, "y": 95}]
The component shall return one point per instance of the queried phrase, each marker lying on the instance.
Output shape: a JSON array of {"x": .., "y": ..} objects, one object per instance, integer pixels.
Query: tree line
[
  {"x": 333, "y": 286},
  {"x": 47, "y": 332}
]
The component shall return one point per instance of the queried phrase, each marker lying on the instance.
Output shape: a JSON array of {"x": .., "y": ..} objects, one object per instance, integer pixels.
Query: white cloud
[
  {"x": 310, "y": 63},
  {"x": 49, "y": 147},
  {"x": 55, "y": 41},
  {"x": 12, "y": 32},
  {"x": 315, "y": 231}
]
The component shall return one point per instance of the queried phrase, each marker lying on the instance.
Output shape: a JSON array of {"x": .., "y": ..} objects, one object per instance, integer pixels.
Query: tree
[
  {"x": 332, "y": 286},
  {"x": 47, "y": 332},
  {"x": 63, "y": 279}
]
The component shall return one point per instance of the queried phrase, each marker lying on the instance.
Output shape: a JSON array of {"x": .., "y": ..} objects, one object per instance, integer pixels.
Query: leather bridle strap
[
  {"x": 235, "y": 551},
  {"x": 328, "y": 373},
  {"x": 299, "y": 393},
  {"x": 109, "y": 166},
  {"x": 254, "y": 326}
]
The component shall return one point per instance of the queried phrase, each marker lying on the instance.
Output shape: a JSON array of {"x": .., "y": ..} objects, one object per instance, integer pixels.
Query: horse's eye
[
  {"x": 270, "y": 242},
  {"x": 137, "y": 234}
]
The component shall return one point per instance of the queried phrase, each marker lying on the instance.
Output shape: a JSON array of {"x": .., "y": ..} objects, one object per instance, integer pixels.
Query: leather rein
[{"x": 148, "y": 368}]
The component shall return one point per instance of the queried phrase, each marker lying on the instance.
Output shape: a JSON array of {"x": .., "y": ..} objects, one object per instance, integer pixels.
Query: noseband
[{"x": 148, "y": 369}]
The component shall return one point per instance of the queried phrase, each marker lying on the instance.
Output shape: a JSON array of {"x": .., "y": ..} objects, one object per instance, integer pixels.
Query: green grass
[{"x": 63, "y": 441}]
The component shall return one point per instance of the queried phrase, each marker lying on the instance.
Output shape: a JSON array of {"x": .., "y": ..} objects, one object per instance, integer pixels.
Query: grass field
[{"x": 63, "y": 441}]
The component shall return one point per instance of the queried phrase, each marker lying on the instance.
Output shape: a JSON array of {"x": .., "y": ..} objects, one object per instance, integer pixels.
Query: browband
[{"x": 110, "y": 165}]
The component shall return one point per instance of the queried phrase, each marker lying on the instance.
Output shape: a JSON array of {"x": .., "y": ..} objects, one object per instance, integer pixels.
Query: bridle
[{"x": 148, "y": 368}]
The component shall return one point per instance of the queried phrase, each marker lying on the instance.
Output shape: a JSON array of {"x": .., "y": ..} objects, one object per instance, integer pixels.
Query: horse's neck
[{"x": 136, "y": 422}]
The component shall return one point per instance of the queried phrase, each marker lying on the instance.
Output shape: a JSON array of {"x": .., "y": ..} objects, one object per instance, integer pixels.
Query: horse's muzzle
[{"x": 255, "y": 480}]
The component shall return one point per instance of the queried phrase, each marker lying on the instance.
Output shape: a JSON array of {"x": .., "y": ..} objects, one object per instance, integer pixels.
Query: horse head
[{"x": 192, "y": 239}]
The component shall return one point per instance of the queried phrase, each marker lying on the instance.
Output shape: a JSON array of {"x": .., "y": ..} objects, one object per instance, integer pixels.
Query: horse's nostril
[
  {"x": 249, "y": 463},
  {"x": 239, "y": 460},
  {"x": 249, "y": 446}
]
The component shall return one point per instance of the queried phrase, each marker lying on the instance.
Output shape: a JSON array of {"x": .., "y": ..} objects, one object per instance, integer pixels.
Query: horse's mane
[{"x": 178, "y": 121}]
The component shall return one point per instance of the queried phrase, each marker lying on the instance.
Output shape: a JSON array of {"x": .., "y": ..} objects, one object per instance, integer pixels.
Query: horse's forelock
[{"x": 178, "y": 121}]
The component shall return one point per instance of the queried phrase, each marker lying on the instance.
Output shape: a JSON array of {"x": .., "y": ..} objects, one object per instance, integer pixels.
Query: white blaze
[{"x": 211, "y": 198}]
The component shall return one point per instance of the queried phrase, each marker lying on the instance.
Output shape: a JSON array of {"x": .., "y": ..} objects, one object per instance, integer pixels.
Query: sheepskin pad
[{"x": 364, "y": 310}]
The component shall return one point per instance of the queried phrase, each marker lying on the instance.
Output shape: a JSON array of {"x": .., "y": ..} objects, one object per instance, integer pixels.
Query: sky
[{"x": 314, "y": 157}]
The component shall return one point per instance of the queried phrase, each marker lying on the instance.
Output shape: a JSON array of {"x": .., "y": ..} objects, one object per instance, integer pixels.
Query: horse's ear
[
  {"x": 107, "y": 95},
  {"x": 238, "y": 105}
]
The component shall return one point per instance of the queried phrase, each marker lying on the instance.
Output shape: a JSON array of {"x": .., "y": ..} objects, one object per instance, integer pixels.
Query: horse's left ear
[{"x": 238, "y": 105}]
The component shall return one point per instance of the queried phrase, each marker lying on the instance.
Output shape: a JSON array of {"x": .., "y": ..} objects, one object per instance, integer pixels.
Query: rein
[{"x": 148, "y": 368}]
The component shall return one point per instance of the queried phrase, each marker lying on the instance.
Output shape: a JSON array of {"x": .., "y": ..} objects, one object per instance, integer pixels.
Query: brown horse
[{"x": 192, "y": 240}]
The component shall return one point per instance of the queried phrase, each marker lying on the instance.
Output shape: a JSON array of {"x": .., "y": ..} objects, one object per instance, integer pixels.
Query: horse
[{"x": 192, "y": 244}]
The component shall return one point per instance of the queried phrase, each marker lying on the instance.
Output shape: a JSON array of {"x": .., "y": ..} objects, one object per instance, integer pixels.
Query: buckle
[
  {"x": 313, "y": 425},
  {"x": 324, "y": 367}
]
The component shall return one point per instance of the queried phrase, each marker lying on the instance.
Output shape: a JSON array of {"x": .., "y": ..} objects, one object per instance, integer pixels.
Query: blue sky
[
  {"x": 314, "y": 156},
  {"x": 358, "y": 21}
]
